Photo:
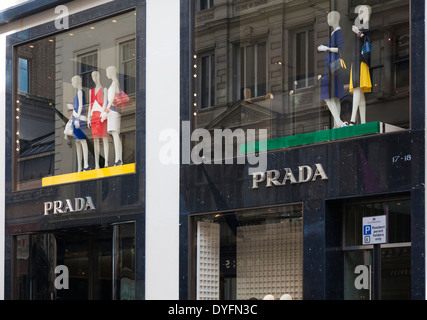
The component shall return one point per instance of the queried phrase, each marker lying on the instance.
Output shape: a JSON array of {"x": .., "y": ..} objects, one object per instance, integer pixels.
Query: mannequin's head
[
  {"x": 76, "y": 81},
  {"x": 111, "y": 72},
  {"x": 363, "y": 13},
  {"x": 95, "y": 76},
  {"x": 334, "y": 18}
]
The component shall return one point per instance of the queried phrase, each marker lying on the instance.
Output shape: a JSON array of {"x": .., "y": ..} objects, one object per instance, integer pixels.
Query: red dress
[{"x": 99, "y": 129}]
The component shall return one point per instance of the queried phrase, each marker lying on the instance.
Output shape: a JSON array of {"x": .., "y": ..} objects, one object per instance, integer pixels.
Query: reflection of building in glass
[
  {"x": 81, "y": 53},
  {"x": 215, "y": 230},
  {"x": 34, "y": 113},
  {"x": 45, "y": 90},
  {"x": 258, "y": 65},
  {"x": 245, "y": 50}
]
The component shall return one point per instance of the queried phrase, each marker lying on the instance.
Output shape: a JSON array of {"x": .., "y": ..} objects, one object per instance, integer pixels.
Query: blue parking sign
[
  {"x": 367, "y": 230},
  {"x": 374, "y": 230}
]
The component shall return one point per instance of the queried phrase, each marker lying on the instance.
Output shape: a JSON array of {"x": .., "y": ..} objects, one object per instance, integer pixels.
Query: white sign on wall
[{"x": 374, "y": 230}]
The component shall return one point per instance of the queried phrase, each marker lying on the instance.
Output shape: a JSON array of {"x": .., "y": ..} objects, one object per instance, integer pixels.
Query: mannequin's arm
[
  {"x": 357, "y": 31},
  {"x": 89, "y": 115},
  {"x": 80, "y": 99},
  {"x": 104, "y": 104},
  {"x": 325, "y": 48},
  {"x": 111, "y": 95}
]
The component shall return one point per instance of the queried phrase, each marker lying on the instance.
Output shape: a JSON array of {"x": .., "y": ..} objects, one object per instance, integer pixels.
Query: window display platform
[
  {"x": 320, "y": 136},
  {"x": 89, "y": 175}
]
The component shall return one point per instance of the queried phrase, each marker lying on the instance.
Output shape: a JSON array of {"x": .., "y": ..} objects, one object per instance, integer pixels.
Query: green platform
[{"x": 319, "y": 136}]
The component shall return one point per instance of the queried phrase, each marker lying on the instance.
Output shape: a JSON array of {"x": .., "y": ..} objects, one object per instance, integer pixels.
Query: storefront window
[
  {"x": 398, "y": 219},
  {"x": 248, "y": 254},
  {"x": 74, "y": 104},
  {"x": 298, "y": 69},
  {"x": 95, "y": 263},
  {"x": 124, "y": 267},
  {"x": 395, "y": 254}
]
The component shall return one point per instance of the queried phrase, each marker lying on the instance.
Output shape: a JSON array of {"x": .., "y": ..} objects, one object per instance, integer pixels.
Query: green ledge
[{"x": 316, "y": 137}]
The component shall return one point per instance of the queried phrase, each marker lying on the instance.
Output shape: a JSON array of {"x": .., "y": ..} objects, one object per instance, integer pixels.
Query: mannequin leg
[
  {"x": 79, "y": 155},
  {"x": 106, "y": 150},
  {"x": 334, "y": 106},
  {"x": 85, "y": 154},
  {"x": 117, "y": 147},
  {"x": 356, "y": 101},
  {"x": 362, "y": 107},
  {"x": 337, "y": 123},
  {"x": 96, "y": 151}
]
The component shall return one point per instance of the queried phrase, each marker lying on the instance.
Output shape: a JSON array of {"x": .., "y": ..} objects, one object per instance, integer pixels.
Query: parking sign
[{"x": 374, "y": 230}]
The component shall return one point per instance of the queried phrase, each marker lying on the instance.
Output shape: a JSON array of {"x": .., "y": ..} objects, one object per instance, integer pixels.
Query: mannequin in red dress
[{"x": 98, "y": 102}]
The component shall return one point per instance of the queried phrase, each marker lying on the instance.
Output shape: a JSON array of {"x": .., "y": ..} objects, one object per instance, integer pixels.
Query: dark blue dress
[
  {"x": 78, "y": 133},
  {"x": 333, "y": 85}
]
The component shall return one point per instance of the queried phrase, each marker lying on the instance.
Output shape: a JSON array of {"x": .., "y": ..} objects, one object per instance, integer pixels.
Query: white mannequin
[
  {"x": 113, "y": 117},
  {"x": 359, "y": 102},
  {"x": 81, "y": 144},
  {"x": 334, "y": 104},
  {"x": 96, "y": 78}
]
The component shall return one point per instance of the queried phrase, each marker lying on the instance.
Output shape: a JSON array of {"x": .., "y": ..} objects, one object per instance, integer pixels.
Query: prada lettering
[
  {"x": 275, "y": 178},
  {"x": 58, "y": 206}
]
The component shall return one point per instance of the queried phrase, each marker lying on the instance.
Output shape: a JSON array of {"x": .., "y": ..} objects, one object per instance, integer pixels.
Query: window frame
[
  {"x": 241, "y": 83},
  {"x": 87, "y": 74},
  {"x": 211, "y": 76},
  {"x": 209, "y": 4},
  {"x": 122, "y": 62},
  {"x": 371, "y": 202},
  {"x": 306, "y": 82}
]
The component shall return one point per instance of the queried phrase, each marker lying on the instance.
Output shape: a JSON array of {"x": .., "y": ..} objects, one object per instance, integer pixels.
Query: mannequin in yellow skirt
[{"x": 360, "y": 78}]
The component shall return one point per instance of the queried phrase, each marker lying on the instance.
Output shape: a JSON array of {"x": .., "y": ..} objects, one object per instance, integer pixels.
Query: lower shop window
[
  {"x": 248, "y": 254},
  {"x": 99, "y": 263},
  {"x": 395, "y": 254}
]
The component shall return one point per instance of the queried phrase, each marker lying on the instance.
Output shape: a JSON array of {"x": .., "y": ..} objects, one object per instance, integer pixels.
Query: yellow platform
[{"x": 89, "y": 175}]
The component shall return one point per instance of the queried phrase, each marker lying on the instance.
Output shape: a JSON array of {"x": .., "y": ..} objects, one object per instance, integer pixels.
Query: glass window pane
[
  {"x": 212, "y": 89},
  {"x": 23, "y": 75},
  {"x": 85, "y": 255},
  {"x": 301, "y": 58},
  {"x": 64, "y": 123},
  {"x": 274, "y": 66},
  {"x": 398, "y": 220},
  {"x": 249, "y": 254},
  {"x": 124, "y": 268},
  {"x": 261, "y": 70},
  {"x": 205, "y": 82},
  {"x": 250, "y": 64}
]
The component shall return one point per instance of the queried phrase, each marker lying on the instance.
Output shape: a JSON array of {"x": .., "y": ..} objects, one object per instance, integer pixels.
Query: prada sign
[
  {"x": 59, "y": 206},
  {"x": 273, "y": 178}
]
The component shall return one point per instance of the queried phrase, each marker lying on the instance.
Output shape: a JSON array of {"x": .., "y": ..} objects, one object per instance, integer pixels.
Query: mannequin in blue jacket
[{"x": 333, "y": 85}]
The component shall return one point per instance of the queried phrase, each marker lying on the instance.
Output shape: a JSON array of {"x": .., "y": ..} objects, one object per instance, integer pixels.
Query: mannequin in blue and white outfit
[
  {"x": 333, "y": 86},
  {"x": 79, "y": 118}
]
